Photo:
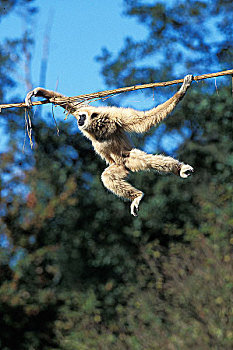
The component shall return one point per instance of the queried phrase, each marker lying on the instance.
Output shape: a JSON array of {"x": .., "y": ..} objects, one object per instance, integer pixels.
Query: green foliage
[{"x": 184, "y": 304}]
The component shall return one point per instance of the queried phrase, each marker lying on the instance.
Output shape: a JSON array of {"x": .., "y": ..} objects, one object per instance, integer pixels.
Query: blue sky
[{"x": 80, "y": 29}]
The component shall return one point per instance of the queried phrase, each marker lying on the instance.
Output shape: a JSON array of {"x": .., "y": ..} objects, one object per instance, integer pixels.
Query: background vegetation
[{"x": 76, "y": 270}]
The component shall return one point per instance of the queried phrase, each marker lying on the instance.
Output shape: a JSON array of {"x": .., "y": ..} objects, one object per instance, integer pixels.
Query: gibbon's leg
[
  {"x": 113, "y": 179},
  {"x": 139, "y": 160}
]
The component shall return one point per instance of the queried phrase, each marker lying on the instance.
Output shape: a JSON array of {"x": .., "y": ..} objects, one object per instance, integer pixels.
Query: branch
[{"x": 77, "y": 100}]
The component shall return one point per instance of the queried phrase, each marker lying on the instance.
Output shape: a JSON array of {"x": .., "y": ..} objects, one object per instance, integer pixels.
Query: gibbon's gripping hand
[
  {"x": 40, "y": 92},
  {"x": 30, "y": 94},
  {"x": 186, "y": 83},
  {"x": 186, "y": 171}
]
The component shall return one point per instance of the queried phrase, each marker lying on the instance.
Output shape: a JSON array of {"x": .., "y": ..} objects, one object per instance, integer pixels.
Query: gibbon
[{"x": 107, "y": 128}]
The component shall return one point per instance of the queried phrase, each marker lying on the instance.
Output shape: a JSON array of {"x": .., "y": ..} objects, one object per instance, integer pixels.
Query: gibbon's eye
[
  {"x": 82, "y": 118},
  {"x": 94, "y": 115}
]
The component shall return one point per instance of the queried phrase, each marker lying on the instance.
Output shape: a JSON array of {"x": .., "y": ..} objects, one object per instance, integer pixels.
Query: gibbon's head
[{"x": 85, "y": 116}]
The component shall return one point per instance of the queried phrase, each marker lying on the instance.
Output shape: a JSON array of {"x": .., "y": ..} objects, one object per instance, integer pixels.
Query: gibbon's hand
[
  {"x": 28, "y": 100},
  {"x": 188, "y": 79},
  {"x": 186, "y": 171},
  {"x": 40, "y": 92},
  {"x": 30, "y": 94},
  {"x": 186, "y": 83}
]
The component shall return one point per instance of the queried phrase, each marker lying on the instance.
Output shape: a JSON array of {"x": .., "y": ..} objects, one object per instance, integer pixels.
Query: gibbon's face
[{"x": 84, "y": 119}]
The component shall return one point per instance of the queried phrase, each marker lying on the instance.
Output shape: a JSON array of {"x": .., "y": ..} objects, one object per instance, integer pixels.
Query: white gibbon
[{"x": 107, "y": 128}]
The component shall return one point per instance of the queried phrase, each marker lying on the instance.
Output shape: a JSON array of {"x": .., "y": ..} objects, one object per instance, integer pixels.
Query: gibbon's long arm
[{"x": 136, "y": 121}]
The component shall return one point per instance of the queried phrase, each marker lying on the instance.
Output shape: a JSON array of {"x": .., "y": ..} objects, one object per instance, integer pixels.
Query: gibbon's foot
[
  {"x": 134, "y": 208},
  {"x": 186, "y": 170},
  {"x": 187, "y": 82}
]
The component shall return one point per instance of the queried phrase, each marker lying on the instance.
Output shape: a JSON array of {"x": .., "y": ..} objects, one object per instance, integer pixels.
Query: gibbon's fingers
[
  {"x": 28, "y": 98},
  {"x": 188, "y": 79},
  {"x": 186, "y": 171},
  {"x": 40, "y": 92},
  {"x": 134, "y": 208},
  {"x": 186, "y": 83}
]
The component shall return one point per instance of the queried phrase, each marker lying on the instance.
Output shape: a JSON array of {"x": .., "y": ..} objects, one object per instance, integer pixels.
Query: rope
[{"x": 108, "y": 93}]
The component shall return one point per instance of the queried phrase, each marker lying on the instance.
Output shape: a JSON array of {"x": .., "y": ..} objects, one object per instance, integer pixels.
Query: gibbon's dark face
[
  {"x": 81, "y": 120},
  {"x": 84, "y": 119}
]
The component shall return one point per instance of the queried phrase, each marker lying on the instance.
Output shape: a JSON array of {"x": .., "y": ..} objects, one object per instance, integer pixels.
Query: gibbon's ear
[{"x": 94, "y": 115}]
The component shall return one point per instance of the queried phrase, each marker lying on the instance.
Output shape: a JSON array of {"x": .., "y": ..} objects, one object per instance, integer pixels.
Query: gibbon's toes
[
  {"x": 134, "y": 208},
  {"x": 186, "y": 171}
]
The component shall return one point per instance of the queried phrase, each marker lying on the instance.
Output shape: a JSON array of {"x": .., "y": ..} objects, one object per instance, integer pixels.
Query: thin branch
[
  {"x": 58, "y": 132},
  {"x": 80, "y": 99},
  {"x": 28, "y": 126}
]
